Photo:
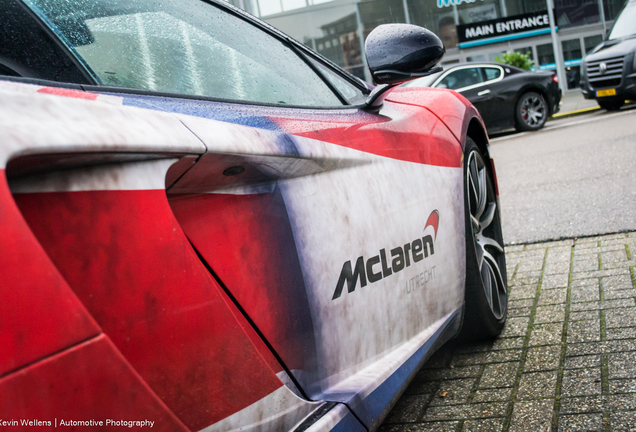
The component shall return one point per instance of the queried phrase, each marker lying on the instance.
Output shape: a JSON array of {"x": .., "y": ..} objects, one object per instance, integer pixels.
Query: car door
[{"x": 294, "y": 207}]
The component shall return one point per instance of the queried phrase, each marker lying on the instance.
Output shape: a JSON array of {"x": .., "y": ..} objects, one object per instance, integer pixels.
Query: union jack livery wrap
[{"x": 196, "y": 264}]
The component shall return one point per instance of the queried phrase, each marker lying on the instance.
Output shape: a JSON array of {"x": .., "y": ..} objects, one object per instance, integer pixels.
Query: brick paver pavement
[{"x": 566, "y": 360}]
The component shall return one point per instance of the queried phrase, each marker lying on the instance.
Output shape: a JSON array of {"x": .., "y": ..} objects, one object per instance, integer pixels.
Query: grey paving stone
[
  {"x": 584, "y": 294},
  {"x": 575, "y": 307},
  {"x": 620, "y": 318},
  {"x": 515, "y": 327},
  {"x": 589, "y": 263},
  {"x": 542, "y": 358},
  {"x": 584, "y": 315},
  {"x": 523, "y": 274},
  {"x": 620, "y": 282},
  {"x": 527, "y": 265},
  {"x": 501, "y": 356},
  {"x": 581, "y": 382},
  {"x": 592, "y": 282},
  {"x": 599, "y": 273},
  {"x": 617, "y": 256},
  {"x": 582, "y": 422},
  {"x": 621, "y": 333},
  {"x": 584, "y": 331},
  {"x": 453, "y": 392},
  {"x": 452, "y": 373},
  {"x": 422, "y": 427},
  {"x": 519, "y": 312},
  {"x": 552, "y": 296},
  {"x": 520, "y": 303},
  {"x": 621, "y": 365},
  {"x": 469, "y": 359},
  {"x": 522, "y": 292},
  {"x": 508, "y": 343},
  {"x": 528, "y": 281},
  {"x": 548, "y": 314},
  {"x": 622, "y": 386},
  {"x": 546, "y": 334},
  {"x": 560, "y": 253},
  {"x": 552, "y": 281},
  {"x": 408, "y": 409},
  {"x": 586, "y": 361},
  {"x": 494, "y": 395},
  {"x": 472, "y": 348},
  {"x": 623, "y": 421},
  {"x": 598, "y": 403},
  {"x": 472, "y": 411},
  {"x": 532, "y": 416},
  {"x": 484, "y": 425},
  {"x": 619, "y": 294},
  {"x": 557, "y": 267},
  {"x": 499, "y": 375},
  {"x": 422, "y": 387},
  {"x": 537, "y": 385},
  {"x": 619, "y": 302}
]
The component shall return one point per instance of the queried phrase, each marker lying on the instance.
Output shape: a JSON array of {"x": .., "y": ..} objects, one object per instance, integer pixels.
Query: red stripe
[
  {"x": 78, "y": 94},
  {"x": 91, "y": 381},
  {"x": 127, "y": 259},
  {"x": 400, "y": 131},
  {"x": 39, "y": 314}
]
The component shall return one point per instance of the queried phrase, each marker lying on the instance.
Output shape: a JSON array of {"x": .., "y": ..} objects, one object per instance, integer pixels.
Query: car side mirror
[{"x": 397, "y": 53}]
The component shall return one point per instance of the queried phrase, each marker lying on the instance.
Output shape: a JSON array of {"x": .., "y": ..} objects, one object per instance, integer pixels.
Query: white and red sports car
[{"x": 207, "y": 226}]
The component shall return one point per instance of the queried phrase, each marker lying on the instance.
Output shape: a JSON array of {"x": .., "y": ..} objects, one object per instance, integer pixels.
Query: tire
[
  {"x": 486, "y": 294},
  {"x": 531, "y": 112},
  {"x": 611, "y": 104}
]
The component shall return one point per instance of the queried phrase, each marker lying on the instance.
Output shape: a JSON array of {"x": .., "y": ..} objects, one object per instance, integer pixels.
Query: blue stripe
[
  {"x": 348, "y": 424},
  {"x": 505, "y": 38}
]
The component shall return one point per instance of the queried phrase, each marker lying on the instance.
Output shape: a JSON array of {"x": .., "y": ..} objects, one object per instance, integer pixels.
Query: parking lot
[{"x": 566, "y": 358}]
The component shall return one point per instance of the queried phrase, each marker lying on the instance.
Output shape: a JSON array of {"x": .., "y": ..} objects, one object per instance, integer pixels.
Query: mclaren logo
[{"x": 378, "y": 267}]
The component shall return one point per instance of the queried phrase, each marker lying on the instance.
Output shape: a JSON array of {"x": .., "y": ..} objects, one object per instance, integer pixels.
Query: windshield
[
  {"x": 625, "y": 25},
  {"x": 187, "y": 47}
]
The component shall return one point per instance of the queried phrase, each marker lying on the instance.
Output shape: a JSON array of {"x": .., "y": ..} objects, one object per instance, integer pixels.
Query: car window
[
  {"x": 187, "y": 47},
  {"x": 350, "y": 92},
  {"x": 461, "y": 78},
  {"x": 491, "y": 73}
]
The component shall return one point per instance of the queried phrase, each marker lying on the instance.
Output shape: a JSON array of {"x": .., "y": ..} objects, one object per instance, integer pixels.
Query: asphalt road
[{"x": 574, "y": 178}]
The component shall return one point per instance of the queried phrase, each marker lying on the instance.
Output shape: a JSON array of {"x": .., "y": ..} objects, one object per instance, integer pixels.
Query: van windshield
[{"x": 626, "y": 23}]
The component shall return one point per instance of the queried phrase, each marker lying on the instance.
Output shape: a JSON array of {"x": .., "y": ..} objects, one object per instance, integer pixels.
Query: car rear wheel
[
  {"x": 486, "y": 295},
  {"x": 611, "y": 104},
  {"x": 531, "y": 112}
]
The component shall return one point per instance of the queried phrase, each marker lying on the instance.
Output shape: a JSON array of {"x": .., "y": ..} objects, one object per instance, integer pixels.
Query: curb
[{"x": 575, "y": 112}]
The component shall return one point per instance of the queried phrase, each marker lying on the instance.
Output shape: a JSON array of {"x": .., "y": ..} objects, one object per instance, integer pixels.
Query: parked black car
[
  {"x": 505, "y": 96},
  {"x": 608, "y": 73}
]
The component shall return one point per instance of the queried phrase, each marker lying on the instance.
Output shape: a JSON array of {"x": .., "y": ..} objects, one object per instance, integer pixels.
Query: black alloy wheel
[
  {"x": 531, "y": 112},
  {"x": 486, "y": 296}
]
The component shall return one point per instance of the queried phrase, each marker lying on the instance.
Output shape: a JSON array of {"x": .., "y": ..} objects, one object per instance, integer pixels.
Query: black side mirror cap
[{"x": 397, "y": 53}]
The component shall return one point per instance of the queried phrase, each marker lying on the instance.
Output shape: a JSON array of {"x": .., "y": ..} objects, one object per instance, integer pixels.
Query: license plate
[{"x": 608, "y": 92}]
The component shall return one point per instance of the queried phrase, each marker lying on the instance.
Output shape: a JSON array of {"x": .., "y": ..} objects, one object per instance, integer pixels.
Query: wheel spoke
[
  {"x": 488, "y": 216},
  {"x": 487, "y": 241},
  {"x": 483, "y": 193},
  {"x": 495, "y": 267}
]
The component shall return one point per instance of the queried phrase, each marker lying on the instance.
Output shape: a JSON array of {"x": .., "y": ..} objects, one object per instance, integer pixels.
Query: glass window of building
[
  {"x": 612, "y": 8},
  {"x": 572, "y": 59},
  {"x": 570, "y": 13},
  {"x": 591, "y": 42},
  {"x": 545, "y": 55}
]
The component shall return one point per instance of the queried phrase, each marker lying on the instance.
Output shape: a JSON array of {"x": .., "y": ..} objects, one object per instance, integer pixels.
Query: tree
[{"x": 516, "y": 59}]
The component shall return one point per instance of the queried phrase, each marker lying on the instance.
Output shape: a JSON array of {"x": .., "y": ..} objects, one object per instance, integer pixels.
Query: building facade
[{"x": 471, "y": 30}]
